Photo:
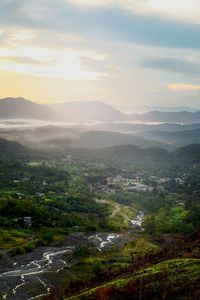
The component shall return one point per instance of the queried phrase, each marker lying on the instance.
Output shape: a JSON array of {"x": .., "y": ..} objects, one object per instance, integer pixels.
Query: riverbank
[
  {"x": 23, "y": 271},
  {"x": 23, "y": 277}
]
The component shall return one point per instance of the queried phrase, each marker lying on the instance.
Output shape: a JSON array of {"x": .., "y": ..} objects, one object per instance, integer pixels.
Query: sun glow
[{"x": 20, "y": 55}]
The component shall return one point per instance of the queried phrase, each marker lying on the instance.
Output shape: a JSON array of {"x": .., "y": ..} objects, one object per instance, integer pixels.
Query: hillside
[
  {"x": 133, "y": 154},
  {"x": 83, "y": 112},
  {"x": 177, "y": 108},
  {"x": 98, "y": 146},
  {"x": 189, "y": 154},
  {"x": 171, "y": 117},
  {"x": 174, "y": 273},
  {"x": 20, "y": 108},
  {"x": 68, "y": 112},
  {"x": 144, "y": 128},
  {"x": 9, "y": 149},
  {"x": 101, "y": 139},
  {"x": 171, "y": 279},
  {"x": 179, "y": 138}
]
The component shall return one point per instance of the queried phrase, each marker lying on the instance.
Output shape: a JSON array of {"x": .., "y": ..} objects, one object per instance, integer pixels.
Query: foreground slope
[
  {"x": 174, "y": 273},
  {"x": 170, "y": 279}
]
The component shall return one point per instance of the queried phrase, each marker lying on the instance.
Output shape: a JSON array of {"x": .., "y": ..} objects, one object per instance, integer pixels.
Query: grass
[
  {"x": 20, "y": 241},
  {"x": 12, "y": 238},
  {"x": 178, "y": 273}
]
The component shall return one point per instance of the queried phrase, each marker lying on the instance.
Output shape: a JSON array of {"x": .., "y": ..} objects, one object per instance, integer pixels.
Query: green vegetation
[
  {"x": 47, "y": 196},
  {"x": 175, "y": 277},
  {"x": 38, "y": 195}
]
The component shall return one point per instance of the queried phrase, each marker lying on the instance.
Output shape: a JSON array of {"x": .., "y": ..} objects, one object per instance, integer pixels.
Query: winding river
[
  {"x": 22, "y": 272},
  {"x": 23, "y": 277}
]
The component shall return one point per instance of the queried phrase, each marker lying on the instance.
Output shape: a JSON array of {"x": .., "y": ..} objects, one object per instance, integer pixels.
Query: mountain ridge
[
  {"x": 86, "y": 112},
  {"x": 21, "y": 108}
]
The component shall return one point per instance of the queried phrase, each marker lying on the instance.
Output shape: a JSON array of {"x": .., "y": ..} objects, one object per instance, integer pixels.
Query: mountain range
[
  {"x": 166, "y": 136},
  {"x": 147, "y": 108},
  {"x": 99, "y": 139},
  {"x": 88, "y": 111},
  {"x": 176, "y": 117},
  {"x": 20, "y": 108},
  {"x": 178, "y": 138},
  {"x": 83, "y": 112},
  {"x": 128, "y": 154}
]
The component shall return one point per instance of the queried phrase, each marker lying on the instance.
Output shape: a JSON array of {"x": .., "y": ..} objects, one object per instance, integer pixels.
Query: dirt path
[{"x": 135, "y": 222}]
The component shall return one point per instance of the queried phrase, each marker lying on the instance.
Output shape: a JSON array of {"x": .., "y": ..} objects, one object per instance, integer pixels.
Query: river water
[
  {"x": 29, "y": 269},
  {"x": 137, "y": 222},
  {"x": 23, "y": 277}
]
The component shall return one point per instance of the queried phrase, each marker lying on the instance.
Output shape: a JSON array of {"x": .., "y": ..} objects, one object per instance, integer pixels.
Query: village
[{"x": 135, "y": 182}]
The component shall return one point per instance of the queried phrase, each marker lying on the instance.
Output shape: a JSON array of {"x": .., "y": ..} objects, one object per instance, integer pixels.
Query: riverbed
[
  {"x": 23, "y": 277},
  {"x": 17, "y": 274}
]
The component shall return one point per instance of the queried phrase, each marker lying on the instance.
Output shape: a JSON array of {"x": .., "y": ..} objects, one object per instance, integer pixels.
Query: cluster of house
[
  {"x": 69, "y": 159},
  {"x": 25, "y": 221},
  {"x": 134, "y": 183},
  {"x": 26, "y": 179},
  {"x": 128, "y": 184}
]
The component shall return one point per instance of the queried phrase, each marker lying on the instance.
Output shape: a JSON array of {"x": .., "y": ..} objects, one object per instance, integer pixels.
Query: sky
[{"x": 127, "y": 53}]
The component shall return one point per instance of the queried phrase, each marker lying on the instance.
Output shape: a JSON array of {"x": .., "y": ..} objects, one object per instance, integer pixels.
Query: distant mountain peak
[
  {"x": 21, "y": 108},
  {"x": 20, "y": 99},
  {"x": 89, "y": 111}
]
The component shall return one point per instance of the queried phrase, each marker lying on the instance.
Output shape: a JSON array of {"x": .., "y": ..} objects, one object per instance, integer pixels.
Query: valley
[
  {"x": 99, "y": 150},
  {"x": 67, "y": 214},
  {"x": 86, "y": 211}
]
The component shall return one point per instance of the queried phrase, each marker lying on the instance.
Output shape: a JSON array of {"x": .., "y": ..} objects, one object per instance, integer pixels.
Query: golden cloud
[{"x": 183, "y": 87}]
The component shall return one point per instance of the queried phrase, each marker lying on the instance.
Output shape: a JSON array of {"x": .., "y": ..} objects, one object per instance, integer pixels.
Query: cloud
[
  {"x": 177, "y": 65},
  {"x": 27, "y": 61},
  {"x": 33, "y": 60},
  {"x": 183, "y": 87},
  {"x": 111, "y": 23},
  {"x": 114, "y": 50},
  {"x": 174, "y": 9},
  {"x": 105, "y": 67}
]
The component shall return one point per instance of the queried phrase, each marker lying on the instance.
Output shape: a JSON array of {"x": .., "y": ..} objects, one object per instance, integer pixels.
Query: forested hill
[
  {"x": 189, "y": 154},
  {"x": 128, "y": 154},
  {"x": 11, "y": 149},
  {"x": 133, "y": 154}
]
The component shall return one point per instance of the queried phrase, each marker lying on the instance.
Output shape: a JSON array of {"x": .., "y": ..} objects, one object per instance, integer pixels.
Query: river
[
  {"x": 29, "y": 269},
  {"x": 23, "y": 277}
]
